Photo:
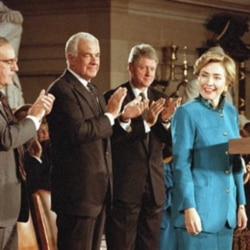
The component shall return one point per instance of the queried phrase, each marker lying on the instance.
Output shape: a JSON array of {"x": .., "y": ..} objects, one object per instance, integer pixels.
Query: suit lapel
[
  {"x": 80, "y": 89},
  {"x": 2, "y": 113}
]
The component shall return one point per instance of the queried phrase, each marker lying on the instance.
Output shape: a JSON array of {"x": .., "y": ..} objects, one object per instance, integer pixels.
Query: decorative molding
[{"x": 232, "y": 5}]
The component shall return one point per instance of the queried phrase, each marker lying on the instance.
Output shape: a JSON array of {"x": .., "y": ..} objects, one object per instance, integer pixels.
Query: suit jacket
[
  {"x": 80, "y": 149},
  {"x": 38, "y": 172},
  {"x": 11, "y": 137},
  {"x": 135, "y": 160},
  {"x": 206, "y": 177}
]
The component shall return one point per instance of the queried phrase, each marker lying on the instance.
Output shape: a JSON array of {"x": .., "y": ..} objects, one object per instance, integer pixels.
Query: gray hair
[
  {"x": 3, "y": 41},
  {"x": 72, "y": 43},
  {"x": 142, "y": 50}
]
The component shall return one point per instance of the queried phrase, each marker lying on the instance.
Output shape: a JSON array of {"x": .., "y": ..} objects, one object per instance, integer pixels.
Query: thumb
[{"x": 41, "y": 94}]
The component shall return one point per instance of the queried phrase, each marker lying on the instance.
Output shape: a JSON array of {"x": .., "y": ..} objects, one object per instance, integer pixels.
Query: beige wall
[{"x": 119, "y": 25}]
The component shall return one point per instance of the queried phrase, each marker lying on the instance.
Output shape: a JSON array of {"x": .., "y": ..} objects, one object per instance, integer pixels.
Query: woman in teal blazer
[{"x": 208, "y": 193}]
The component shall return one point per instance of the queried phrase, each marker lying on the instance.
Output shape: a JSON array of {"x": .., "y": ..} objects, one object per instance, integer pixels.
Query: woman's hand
[{"x": 192, "y": 221}]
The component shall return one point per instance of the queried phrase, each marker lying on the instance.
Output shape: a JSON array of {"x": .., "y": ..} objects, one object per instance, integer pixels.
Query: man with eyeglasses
[{"x": 13, "y": 134}]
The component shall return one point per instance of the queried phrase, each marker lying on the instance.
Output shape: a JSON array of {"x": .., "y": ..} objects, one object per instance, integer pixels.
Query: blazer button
[
  {"x": 224, "y": 133},
  {"x": 226, "y": 153},
  {"x": 227, "y": 190},
  {"x": 227, "y": 171}
]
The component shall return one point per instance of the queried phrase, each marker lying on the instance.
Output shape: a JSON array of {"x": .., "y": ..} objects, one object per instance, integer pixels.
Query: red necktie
[{"x": 18, "y": 151}]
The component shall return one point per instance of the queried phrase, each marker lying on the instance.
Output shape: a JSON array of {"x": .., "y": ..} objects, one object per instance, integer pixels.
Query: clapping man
[{"x": 13, "y": 134}]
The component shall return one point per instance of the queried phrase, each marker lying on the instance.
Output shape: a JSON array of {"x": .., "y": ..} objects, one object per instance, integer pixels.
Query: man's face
[
  {"x": 8, "y": 65},
  {"x": 86, "y": 63},
  {"x": 142, "y": 72},
  {"x": 43, "y": 132}
]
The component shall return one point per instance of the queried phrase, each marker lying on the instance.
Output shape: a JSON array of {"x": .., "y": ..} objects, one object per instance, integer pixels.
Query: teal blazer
[{"x": 206, "y": 177}]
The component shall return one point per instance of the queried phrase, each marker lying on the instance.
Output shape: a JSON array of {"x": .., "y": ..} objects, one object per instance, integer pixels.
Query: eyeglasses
[{"x": 11, "y": 62}]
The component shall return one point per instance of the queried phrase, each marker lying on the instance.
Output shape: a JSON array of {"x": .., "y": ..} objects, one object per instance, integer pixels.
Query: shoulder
[
  {"x": 230, "y": 109},
  {"x": 62, "y": 83},
  {"x": 109, "y": 92},
  {"x": 189, "y": 111},
  {"x": 156, "y": 93}
]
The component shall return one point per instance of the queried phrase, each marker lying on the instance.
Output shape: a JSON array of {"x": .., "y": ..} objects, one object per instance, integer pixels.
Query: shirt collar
[
  {"x": 79, "y": 78},
  {"x": 137, "y": 91},
  {"x": 206, "y": 103}
]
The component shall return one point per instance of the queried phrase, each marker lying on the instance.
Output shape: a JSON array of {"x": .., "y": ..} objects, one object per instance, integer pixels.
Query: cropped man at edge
[
  {"x": 80, "y": 125},
  {"x": 137, "y": 144},
  {"x": 13, "y": 134}
]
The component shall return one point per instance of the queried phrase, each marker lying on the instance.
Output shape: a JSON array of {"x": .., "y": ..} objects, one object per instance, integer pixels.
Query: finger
[{"x": 42, "y": 93}]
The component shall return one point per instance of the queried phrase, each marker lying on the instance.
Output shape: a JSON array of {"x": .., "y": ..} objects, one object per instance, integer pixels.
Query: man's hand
[
  {"x": 42, "y": 106},
  {"x": 35, "y": 149},
  {"x": 154, "y": 110},
  {"x": 115, "y": 101},
  {"x": 134, "y": 109},
  {"x": 169, "y": 108}
]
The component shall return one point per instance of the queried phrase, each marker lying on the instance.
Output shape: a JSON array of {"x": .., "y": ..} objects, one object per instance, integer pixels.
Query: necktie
[
  {"x": 143, "y": 96},
  {"x": 18, "y": 151},
  {"x": 95, "y": 99},
  {"x": 144, "y": 114}
]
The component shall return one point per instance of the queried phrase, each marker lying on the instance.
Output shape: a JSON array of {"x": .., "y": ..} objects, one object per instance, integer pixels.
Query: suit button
[
  {"x": 224, "y": 133},
  {"x": 227, "y": 190},
  {"x": 226, "y": 153},
  {"x": 227, "y": 171}
]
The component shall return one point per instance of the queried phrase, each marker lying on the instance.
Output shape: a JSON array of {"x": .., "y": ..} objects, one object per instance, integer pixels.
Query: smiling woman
[{"x": 201, "y": 130}]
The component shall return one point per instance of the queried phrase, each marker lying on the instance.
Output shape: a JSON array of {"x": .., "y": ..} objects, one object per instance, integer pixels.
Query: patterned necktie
[
  {"x": 95, "y": 98},
  {"x": 143, "y": 96},
  {"x": 18, "y": 151}
]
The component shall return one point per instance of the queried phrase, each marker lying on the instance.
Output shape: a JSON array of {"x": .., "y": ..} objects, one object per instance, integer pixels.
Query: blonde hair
[{"x": 214, "y": 56}]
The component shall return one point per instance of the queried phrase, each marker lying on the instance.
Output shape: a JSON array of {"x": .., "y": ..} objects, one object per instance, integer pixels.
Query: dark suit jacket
[
  {"x": 80, "y": 149},
  {"x": 134, "y": 159},
  {"x": 38, "y": 172},
  {"x": 11, "y": 137}
]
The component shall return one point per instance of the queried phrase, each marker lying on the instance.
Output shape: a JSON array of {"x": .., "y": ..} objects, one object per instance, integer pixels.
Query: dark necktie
[
  {"x": 95, "y": 98},
  {"x": 18, "y": 151},
  {"x": 144, "y": 114}
]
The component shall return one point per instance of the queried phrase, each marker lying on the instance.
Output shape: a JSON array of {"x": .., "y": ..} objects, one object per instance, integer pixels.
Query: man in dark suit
[
  {"x": 137, "y": 143},
  {"x": 80, "y": 125},
  {"x": 13, "y": 134}
]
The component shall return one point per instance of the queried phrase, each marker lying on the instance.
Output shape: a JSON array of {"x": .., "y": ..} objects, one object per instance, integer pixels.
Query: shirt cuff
[
  {"x": 37, "y": 158},
  {"x": 36, "y": 121},
  {"x": 111, "y": 118}
]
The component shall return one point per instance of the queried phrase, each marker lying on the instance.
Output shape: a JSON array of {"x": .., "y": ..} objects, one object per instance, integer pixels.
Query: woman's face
[{"x": 212, "y": 82}]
